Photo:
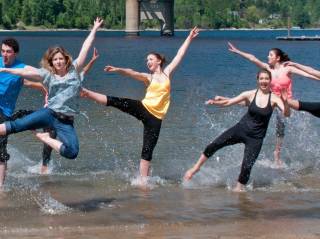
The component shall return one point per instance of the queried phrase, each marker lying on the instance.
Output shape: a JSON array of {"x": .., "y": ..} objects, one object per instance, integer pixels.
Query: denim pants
[{"x": 45, "y": 118}]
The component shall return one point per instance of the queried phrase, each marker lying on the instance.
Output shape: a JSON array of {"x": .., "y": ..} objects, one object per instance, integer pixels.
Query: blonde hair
[{"x": 46, "y": 61}]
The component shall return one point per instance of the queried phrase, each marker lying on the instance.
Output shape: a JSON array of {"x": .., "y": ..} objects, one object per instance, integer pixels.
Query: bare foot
[
  {"x": 277, "y": 159},
  {"x": 239, "y": 188},
  {"x": 42, "y": 135},
  {"x": 44, "y": 170},
  {"x": 189, "y": 174}
]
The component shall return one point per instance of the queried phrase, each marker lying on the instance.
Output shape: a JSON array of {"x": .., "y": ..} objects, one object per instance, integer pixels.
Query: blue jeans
[{"x": 46, "y": 118}]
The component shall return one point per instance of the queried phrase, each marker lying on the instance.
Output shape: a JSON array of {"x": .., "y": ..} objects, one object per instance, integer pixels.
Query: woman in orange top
[
  {"x": 281, "y": 79},
  {"x": 310, "y": 107},
  {"x": 153, "y": 108}
]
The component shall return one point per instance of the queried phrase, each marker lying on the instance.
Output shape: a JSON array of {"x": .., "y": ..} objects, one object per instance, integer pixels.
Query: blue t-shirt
[
  {"x": 64, "y": 92},
  {"x": 10, "y": 86}
]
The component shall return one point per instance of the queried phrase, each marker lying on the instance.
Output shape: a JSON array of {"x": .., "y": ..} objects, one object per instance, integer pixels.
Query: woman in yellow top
[{"x": 153, "y": 108}]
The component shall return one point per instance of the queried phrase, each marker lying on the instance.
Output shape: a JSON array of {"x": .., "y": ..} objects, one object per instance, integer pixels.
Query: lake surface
[{"x": 99, "y": 189}]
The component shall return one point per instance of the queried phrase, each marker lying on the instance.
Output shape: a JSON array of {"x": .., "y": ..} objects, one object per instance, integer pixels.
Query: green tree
[{"x": 25, "y": 15}]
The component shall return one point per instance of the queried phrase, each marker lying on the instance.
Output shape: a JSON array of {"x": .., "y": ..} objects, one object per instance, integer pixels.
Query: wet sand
[{"x": 261, "y": 229}]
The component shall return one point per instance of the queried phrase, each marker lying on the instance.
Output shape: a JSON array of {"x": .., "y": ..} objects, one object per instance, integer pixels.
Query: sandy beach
[{"x": 261, "y": 229}]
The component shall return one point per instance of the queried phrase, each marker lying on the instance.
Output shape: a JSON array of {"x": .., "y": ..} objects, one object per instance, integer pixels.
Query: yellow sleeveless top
[{"x": 157, "y": 99}]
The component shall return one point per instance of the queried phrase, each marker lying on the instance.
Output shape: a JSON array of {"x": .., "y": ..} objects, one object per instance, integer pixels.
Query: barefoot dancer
[
  {"x": 153, "y": 108},
  {"x": 46, "y": 152},
  {"x": 62, "y": 78},
  {"x": 10, "y": 86},
  {"x": 281, "y": 79},
  {"x": 250, "y": 130}
]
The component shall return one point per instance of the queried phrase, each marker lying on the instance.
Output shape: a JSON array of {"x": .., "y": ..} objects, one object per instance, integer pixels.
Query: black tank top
[{"x": 255, "y": 121}]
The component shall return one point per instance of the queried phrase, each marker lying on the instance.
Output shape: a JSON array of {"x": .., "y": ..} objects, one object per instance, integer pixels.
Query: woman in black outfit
[{"x": 250, "y": 130}]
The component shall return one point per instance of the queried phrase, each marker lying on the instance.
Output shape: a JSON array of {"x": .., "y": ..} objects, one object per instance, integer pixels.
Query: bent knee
[
  {"x": 72, "y": 155},
  {"x": 69, "y": 152}
]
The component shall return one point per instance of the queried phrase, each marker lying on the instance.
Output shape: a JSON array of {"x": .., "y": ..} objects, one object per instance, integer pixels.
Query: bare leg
[
  {"x": 294, "y": 104},
  {"x": 95, "y": 96},
  {"x": 239, "y": 188},
  {"x": 3, "y": 130},
  {"x": 192, "y": 171},
  {"x": 3, "y": 169},
  {"x": 280, "y": 129},
  {"x": 44, "y": 169},
  {"x": 144, "y": 168},
  {"x": 45, "y": 138},
  {"x": 144, "y": 173},
  {"x": 277, "y": 151}
]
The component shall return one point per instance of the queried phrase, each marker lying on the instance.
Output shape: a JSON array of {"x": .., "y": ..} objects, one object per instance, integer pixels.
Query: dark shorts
[{"x": 4, "y": 156}]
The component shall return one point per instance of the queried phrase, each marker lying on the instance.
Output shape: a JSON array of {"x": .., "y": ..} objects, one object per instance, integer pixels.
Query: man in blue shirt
[{"x": 10, "y": 86}]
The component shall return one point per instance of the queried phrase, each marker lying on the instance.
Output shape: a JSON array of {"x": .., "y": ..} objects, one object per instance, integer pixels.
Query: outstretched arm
[
  {"x": 303, "y": 70},
  {"x": 224, "y": 101},
  {"x": 28, "y": 72},
  {"x": 218, "y": 97},
  {"x": 248, "y": 56},
  {"x": 144, "y": 77},
  {"x": 87, "y": 44},
  {"x": 181, "y": 52},
  {"x": 38, "y": 86},
  {"x": 95, "y": 56}
]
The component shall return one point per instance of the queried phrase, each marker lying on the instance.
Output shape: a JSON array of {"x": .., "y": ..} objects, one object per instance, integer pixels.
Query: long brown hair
[
  {"x": 283, "y": 56},
  {"x": 159, "y": 57},
  {"x": 46, "y": 61}
]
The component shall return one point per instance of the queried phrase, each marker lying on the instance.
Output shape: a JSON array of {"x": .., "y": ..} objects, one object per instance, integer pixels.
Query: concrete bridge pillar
[
  {"x": 162, "y": 10},
  {"x": 132, "y": 17}
]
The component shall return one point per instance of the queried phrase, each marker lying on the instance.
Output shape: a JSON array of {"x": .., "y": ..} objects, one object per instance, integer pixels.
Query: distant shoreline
[{"x": 151, "y": 30}]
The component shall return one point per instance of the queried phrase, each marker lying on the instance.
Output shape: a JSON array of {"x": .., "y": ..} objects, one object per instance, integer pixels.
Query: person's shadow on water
[{"x": 90, "y": 204}]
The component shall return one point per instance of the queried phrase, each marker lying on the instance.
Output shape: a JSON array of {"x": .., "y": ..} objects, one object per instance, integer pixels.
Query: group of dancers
[{"x": 60, "y": 79}]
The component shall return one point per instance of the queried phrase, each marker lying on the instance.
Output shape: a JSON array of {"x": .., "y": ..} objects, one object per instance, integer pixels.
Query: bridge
[{"x": 139, "y": 10}]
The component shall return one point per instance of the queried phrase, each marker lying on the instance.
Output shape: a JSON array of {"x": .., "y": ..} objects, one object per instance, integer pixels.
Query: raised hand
[
  {"x": 95, "y": 55},
  {"x": 194, "y": 32},
  {"x": 97, "y": 23},
  {"x": 232, "y": 48}
]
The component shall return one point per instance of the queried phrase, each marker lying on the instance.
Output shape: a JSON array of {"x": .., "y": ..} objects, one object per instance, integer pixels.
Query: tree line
[{"x": 26, "y": 14}]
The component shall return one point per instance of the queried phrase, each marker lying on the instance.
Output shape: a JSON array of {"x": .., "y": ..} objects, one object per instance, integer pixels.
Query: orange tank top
[
  {"x": 157, "y": 98},
  {"x": 281, "y": 80}
]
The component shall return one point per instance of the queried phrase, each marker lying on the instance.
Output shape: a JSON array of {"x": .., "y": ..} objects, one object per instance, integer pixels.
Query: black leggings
[
  {"x": 311, "y": 107},
  {"x": 152, "y": 124},
  {"x": 237, "y": 135}
]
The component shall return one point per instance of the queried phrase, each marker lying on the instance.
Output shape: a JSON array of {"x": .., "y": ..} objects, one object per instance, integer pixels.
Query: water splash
[
  {"x": 148, "y": 182},
  {"x": 49, "y": 205}
]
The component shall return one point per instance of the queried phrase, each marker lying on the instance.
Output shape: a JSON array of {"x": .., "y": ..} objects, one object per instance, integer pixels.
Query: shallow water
[{"x": 99, "y": 189}]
